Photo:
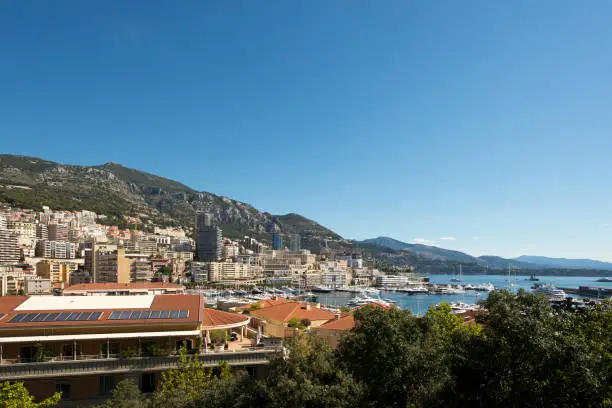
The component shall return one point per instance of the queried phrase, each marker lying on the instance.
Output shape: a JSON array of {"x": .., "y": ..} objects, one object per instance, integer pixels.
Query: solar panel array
[
  {"x": 149, "y": 314},
  {"x": 55, "y": 317}
]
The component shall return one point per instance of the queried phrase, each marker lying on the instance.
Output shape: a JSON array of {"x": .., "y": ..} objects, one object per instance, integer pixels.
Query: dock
[{"x": 594, "y": 292}]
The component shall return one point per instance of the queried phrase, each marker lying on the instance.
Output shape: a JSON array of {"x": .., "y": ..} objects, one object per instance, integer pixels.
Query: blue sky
[{"x": 487, "y": 123}]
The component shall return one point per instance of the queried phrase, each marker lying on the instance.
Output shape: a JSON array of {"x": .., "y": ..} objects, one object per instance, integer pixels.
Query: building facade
[
  {"x": 209, "y": 243},
  {"x": 9, "y": 250}
]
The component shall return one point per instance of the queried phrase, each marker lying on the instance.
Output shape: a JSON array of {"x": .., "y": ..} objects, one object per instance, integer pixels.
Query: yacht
[
  {"x": 371, "y": 291},
  {"x": 420, "y": 290},
  {"x": 322, "y": 289},
  {"x": 484, "y": 287},
  {"x": 604, "y": 280},
  {"x": 550, "y": 291}
]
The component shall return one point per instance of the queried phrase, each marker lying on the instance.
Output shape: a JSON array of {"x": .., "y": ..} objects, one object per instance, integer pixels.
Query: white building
[{"x": 37, "y": 286}]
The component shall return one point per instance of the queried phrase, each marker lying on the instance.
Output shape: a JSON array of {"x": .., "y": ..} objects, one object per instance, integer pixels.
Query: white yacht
[
  {"x": 550, "y": 291},
  {"x": 322, "y": 289}
]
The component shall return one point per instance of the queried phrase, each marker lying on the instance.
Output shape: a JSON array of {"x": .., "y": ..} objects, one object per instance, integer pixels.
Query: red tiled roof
[
  {"x": 212, "y": 317},
  {"x": 286, "y": 311},
  {"x": 266, "y": 303},
  {"x": 273, "y": 302},
  {"x": 344, "y": 323},
  {"x": 118, "y": 286}
]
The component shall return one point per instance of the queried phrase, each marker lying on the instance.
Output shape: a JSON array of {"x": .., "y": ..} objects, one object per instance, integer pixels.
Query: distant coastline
[{"x": 528, "y": 272}]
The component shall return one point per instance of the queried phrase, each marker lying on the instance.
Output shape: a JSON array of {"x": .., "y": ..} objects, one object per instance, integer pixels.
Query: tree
[
  {"x": 16, "y": 395},
  {"x": 183, "y": 385},
  {"x": 532, "y": 354},
  {"x": 307, "y": 375},
  {"x": 126, "y": 395},
  {"x": 396, "y": 356}
]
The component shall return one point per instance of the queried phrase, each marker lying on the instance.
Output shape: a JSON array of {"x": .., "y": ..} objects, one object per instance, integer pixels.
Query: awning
[{"x": 102, "y": 336}]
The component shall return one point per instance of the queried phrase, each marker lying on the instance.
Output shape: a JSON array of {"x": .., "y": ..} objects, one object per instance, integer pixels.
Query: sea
[{"x": 418, "y": 304}]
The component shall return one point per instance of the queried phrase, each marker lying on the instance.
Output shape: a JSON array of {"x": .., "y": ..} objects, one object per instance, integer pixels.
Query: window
[
  {"x": 106, "y": 384},
  {"x": 111, "y": 349},
  {"x": 148, "y": 382},
  {"x": 64, "y": 389},
  {"x": 28, "y": 354},
  {"x": 68, "y": 351},
  {"x": 186, "y": 343}
]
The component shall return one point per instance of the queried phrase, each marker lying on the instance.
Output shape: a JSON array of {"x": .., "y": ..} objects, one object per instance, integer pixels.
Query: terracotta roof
[
  {"x": 214, "y": 317},
  {"x": 118, "y": 286},
  {"x": 192, "y": 303},
  {"x": 286, "y": 311},
  {"x": 273, "y": 301},
  {"x": 267, "y": 303},
  {"x": 344, "y": 323}
]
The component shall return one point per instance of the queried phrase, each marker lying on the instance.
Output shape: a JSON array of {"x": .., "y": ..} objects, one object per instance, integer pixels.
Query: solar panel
[
  {"x": 29, "y": 317},
  {"x": 125, "y": 315},
  {"x": 17, "y": 318},
  {"x": 95, "y": 316},
  {"x": 135, "y": 316},
  {"x": 183, "y": 314},
  {"x": 145, "y": 314},
  {"x": 164, "y": 314},
  {"x": 51, "y": 316},
  {"x": 84, "y": 316},
  {"x": 114, "y": 316},
  {"x": 40, "y": 317},
  {"x": 73, "y": 316},
  {"x": 174, "y": 314},
  {"x": 62, "y": 317},
  {"x": 155, "y": 314},
  {"x": 2, "y": 315}
]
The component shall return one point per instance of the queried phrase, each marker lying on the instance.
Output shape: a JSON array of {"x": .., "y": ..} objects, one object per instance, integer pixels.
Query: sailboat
[
  {"x": 455, "y": 279},
  {"x": 511, "y": 281}
]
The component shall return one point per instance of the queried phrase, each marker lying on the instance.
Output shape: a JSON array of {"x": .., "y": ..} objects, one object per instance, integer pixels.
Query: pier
[{"x": 589, "y": 291}]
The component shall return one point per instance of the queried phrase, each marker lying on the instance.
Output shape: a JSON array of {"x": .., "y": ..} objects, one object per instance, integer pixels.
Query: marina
[{"x": 419, "y": 296}]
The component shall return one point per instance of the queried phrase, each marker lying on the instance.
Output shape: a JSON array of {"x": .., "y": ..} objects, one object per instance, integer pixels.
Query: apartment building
[
  {"x": 112, "y": 266},
  {"x": 9, "y": 249},
  {"x": 57, "y": 232},
  {"x": 56, "y": 249},
  {"x": 34, "y": 285},
  {"x": 57, "y": 271},
  {"x": 83, "y": 345},
  {"x": 23, "y": 229}
]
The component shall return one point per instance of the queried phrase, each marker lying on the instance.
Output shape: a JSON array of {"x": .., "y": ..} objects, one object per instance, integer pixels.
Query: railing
[{"x": 97, "y": 364}]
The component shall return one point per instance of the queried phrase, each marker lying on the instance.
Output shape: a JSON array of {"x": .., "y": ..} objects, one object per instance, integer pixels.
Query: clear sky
[{"x": 474, "y": 125}]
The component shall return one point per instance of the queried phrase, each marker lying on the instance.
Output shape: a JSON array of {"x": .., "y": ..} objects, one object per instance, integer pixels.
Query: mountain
[
  {"x": 426, "y": 251},
  {"x": 116, "y": 191},
  {"x": 543, "y": 261}
]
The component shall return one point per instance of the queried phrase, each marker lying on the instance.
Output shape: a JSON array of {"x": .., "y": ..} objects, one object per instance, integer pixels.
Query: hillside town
[
  {"x": 44, "y": 252},
  {"x": 75, "y": 290}
]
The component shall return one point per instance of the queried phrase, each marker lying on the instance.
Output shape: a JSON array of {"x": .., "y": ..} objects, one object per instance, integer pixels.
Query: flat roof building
[{"x": 84, "y": 345}]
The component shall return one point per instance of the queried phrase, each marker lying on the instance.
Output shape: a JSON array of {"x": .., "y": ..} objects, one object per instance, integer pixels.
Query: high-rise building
[
  {"x": 57, "y": 232},
  {"x": 3, "y": 222},
  {"x": 41, "y": 231},
  {"x": 295, "y": 243},
  {"x": 56, "y": 249},
  {"x": 209, "y": 239},
  {"x": 55, "y": 270},
  {"x": 91, "y": 259},
  {"x": 112, "y": 266},
  {"x": 9, "y": 250},
  {"x": 277, "y": 240}
]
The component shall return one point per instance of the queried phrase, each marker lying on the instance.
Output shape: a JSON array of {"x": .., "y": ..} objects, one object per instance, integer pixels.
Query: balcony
[{"x": 97, "y": 365}]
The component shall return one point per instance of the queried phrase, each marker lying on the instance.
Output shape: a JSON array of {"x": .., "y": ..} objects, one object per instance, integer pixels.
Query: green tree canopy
[{"x": 16, "y": 395}]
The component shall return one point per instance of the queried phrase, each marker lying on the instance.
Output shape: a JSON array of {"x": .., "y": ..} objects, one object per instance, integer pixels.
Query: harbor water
[{"x": 418, "y": 304}]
